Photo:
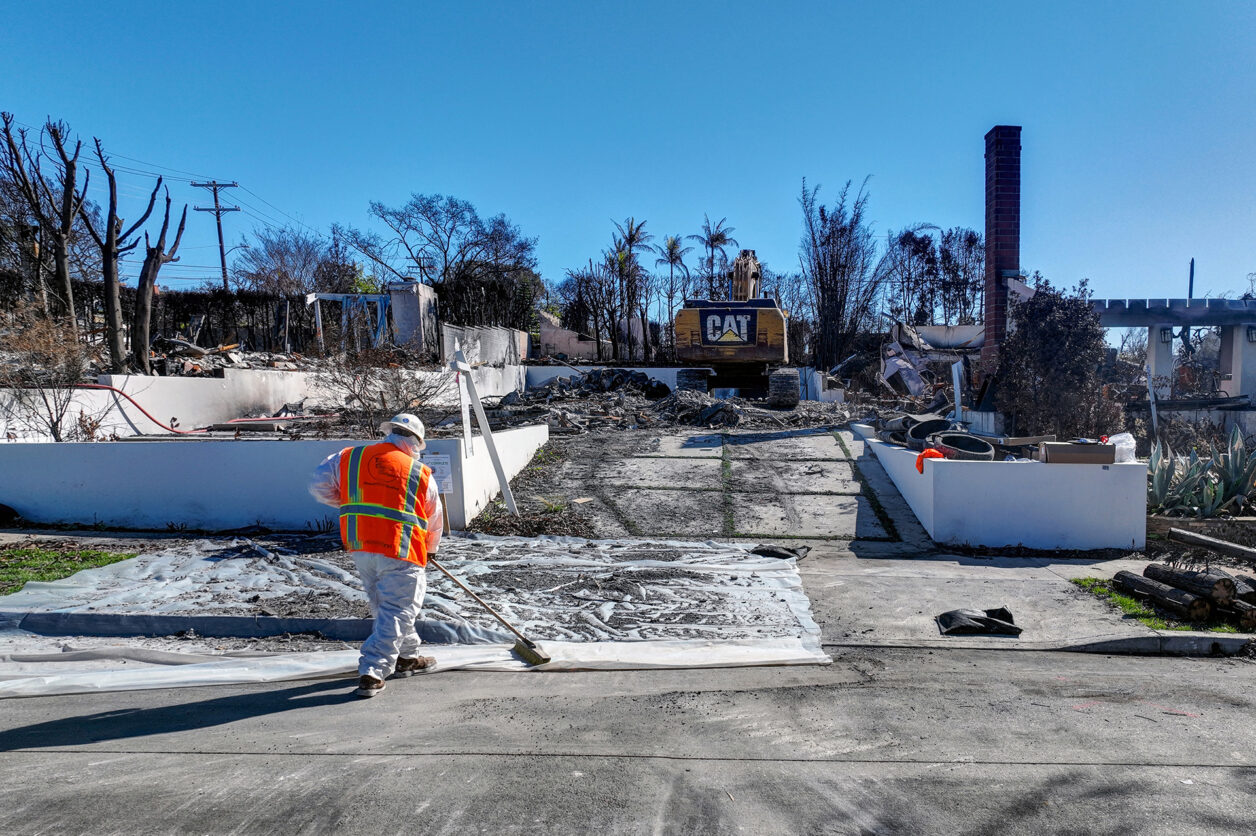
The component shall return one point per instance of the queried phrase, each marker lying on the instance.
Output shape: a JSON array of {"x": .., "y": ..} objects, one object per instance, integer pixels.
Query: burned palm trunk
[
  {"x": 1177, "y": 601},
  {"x": 1215, "y": 586},
  {"x": 1242, "y": 615}
]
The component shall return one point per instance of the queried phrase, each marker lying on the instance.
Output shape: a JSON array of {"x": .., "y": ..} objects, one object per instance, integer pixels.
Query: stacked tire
[{"x": 783, "y": 388}]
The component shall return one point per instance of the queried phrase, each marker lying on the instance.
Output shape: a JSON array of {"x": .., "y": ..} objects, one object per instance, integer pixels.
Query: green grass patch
[
  {"x": 48, "y": 563},
  {"x": 1144, "y": 614}
]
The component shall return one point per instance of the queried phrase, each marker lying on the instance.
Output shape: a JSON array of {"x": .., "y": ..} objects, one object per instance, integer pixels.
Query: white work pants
[{"x": 394, "y": 589}]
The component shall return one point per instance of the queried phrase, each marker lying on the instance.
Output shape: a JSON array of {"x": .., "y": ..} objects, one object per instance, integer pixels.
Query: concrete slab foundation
[
  {"x": 664, "y": 513},
  {"x": 791, "y": 476},
  {"x": 783, "y": 446},
  {"x": 695, "y": 445},
  {"x": 805, "y": 515},
  {"x": 688, "y": 473}
]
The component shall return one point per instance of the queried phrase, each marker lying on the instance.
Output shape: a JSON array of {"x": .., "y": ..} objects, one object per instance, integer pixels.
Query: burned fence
[{"x": 256, "y": 321}]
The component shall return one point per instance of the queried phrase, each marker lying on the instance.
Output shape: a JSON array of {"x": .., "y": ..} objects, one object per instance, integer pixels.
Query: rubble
[
  {"x": 593, "y": 382},
  {"x": 572, "y": 409}
]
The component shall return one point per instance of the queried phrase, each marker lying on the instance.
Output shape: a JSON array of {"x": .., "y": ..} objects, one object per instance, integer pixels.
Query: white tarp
[
  {"x": 122, "y": 669},
  {"x": 593, "y": 605}
]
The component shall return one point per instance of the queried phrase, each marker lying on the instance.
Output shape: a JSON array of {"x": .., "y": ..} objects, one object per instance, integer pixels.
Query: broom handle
[{"x": 432, "y": 560}]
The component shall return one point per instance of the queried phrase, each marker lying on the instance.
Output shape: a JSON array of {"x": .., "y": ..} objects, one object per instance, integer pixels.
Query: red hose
[{"x": 137, "y": 406}]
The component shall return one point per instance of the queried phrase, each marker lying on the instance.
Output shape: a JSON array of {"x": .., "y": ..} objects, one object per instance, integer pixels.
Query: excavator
[{"x": 741, "y": 341}]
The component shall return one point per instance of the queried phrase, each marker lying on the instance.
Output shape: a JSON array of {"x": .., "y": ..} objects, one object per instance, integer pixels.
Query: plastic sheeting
[
  {"x": 591, "y": 604},
  {"x": 120, "y": 669},
  {"x": 565, "y": 589}
]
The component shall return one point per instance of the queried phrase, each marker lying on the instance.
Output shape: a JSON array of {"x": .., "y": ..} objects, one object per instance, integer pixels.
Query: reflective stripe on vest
[
  {"x": 354, "y": 508},
  {"x": 412, "y": 498}
]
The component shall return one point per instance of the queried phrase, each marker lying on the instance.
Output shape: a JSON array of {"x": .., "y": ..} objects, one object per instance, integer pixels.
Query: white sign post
[
  {"x": 464, "y": 402},
  {"x": 461, "y": 365}
]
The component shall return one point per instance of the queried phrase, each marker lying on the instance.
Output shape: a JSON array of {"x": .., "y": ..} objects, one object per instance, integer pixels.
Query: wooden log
[
  {"x": 1219, "y": 546},
  {"x": 1177, "y": 601},
  {"x": 1245, "y": 588},
  {"x": 1242, "y": 615},
  {"x": 1217, "y": 587}
]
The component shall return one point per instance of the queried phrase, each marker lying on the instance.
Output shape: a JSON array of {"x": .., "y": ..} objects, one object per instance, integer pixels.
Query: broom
[{"x": 529, "y": 650}]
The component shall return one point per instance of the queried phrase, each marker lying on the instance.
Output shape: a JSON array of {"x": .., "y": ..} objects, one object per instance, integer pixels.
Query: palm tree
[
  {"x": 713, "y": 239},
  {"x": 632, "y": 237},
  {"x": 672, "y": 252}
]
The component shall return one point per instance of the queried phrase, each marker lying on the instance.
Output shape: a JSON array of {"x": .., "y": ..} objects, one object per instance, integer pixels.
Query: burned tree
[
  {"x": 114, "y": 241},
  {"x": 483, "y": 270},
  {"x": 1048, "y": 375},
  {"x": 154, "y": 257},
  {"x": 935, "y": 277},
  {"x": 55, "y": 214},
  {"x": 633, "y": 279},
  {"x": 840, "y": 266},
  {"x": 961, "y": 269}
]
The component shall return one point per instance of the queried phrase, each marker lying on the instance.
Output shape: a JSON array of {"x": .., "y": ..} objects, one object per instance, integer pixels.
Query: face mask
[{"x": 406, "y": 443}]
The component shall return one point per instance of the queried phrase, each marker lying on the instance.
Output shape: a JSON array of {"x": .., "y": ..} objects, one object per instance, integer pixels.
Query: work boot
[
  {"x": 369, "y": 686},
  {"x": 409, "y": 667}
]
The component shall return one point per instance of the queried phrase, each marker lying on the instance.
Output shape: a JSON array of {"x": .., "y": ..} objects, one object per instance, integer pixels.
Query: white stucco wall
[
  {"x": 216, "y": 485},
  {"x": 811, "y": 387},
  {"x": 201, "y": 401},
  {"x": 1031, "y": 504},
  {"x": 516, "y": 447}
]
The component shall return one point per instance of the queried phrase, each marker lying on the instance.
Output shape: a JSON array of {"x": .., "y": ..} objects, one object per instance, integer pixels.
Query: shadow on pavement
[{"x": 145, "y": 722}]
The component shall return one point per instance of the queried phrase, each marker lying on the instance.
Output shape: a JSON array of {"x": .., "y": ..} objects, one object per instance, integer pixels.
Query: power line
[
  {"x": 172, "y": 174},
  {"x": 277, "y": 209}
]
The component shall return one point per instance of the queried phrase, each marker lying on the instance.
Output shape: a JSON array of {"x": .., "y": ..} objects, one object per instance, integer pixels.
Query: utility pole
[{"x": 218, "y": 209}]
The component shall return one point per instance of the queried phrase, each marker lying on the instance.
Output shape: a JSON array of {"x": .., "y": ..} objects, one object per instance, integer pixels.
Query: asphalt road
[{"x": 882, "y": 741}]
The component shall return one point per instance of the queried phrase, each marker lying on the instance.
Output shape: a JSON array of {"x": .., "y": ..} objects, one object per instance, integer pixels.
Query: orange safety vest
[{"x": 383, "y": 493}]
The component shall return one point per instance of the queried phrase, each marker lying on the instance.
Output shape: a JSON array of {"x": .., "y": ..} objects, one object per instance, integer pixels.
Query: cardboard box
[{"x": 1067, "y": 452}]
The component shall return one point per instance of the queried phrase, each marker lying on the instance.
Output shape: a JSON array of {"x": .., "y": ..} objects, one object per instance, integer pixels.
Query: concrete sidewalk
[{"x": 892, "y": 602}]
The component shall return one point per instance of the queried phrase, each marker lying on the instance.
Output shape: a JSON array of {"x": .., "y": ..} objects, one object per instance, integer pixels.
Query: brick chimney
[{"x": 1003, "y": 181}]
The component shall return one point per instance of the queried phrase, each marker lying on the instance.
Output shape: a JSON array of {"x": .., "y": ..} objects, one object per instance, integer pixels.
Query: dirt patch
[
  {"x": 1160, "y": 548},
  {"x": 544, "y": 498},
  {"x": 313, "y": 604},
  {"x": 1094, "y": 555}
]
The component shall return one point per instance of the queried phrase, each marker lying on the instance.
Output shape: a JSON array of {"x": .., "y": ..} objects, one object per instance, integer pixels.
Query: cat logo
[{"x": 728, "y": 328}]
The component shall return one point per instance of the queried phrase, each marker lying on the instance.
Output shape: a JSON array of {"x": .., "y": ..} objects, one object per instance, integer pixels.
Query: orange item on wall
[{"x": 927, "y": 454}]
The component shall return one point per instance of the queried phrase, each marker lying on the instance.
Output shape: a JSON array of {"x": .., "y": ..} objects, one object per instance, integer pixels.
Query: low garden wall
[
  {"x": 214, "y": 485},
  {"x": 201, "y": 401},
  {"x": 1031, "y": 504}
]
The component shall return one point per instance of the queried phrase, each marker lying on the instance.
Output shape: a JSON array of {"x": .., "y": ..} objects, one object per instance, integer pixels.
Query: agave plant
[
  {"x": 1182, "y": 487},
  {"x": 1201, "y": 487},
  {"x": 1235, "y": 469}
]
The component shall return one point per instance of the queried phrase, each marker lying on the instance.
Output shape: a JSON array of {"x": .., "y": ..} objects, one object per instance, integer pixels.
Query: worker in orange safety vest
[{"x": 390, "y": 521}]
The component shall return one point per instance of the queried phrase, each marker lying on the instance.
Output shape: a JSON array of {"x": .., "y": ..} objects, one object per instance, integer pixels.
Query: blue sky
[{"x": 1139, "y": 143}]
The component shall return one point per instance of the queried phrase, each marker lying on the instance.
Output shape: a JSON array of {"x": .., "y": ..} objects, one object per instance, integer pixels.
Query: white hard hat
[{"x": 404, "y": 421}]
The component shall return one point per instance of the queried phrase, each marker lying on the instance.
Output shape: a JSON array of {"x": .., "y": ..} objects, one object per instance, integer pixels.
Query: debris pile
[
  {"x": 572, "y": 412},
  {"x": 592, "y": 382},
  {"x": 180, "y": 358}
]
